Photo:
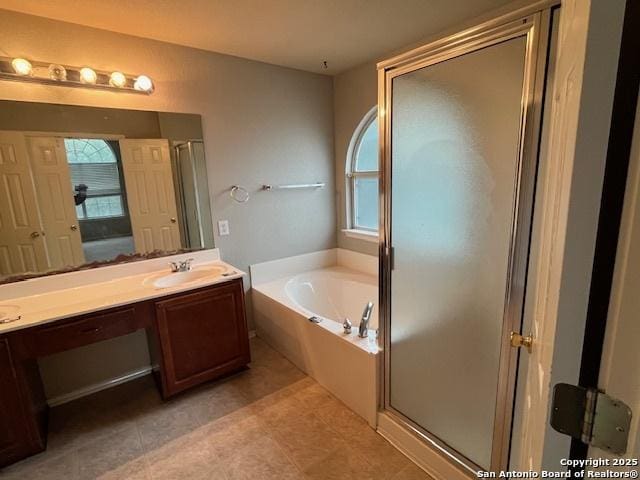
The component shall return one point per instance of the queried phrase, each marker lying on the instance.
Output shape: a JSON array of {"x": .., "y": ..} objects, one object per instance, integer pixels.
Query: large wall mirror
[{"x": 84, "y": 185}]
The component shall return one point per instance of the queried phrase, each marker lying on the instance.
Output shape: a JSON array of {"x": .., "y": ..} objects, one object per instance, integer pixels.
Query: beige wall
[
  {"x": 355, "y": 92},
  {"x": 261, "y": 124}
]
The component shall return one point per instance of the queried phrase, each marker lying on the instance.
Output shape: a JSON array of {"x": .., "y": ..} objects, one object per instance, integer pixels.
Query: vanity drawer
[{"x": 83, "y": 331}]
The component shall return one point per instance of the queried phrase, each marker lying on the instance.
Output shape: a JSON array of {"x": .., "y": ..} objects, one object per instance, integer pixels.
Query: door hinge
[{"x": 591, "y": 416}]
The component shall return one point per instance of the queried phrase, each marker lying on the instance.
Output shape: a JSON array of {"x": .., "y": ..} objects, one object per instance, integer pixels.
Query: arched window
[
  {"x": 362, "y": 177},
  {"x": 93, "y": 163}
]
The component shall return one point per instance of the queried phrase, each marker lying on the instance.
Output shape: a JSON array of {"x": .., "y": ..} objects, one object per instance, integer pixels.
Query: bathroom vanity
[{"x": 196, "y": 332}]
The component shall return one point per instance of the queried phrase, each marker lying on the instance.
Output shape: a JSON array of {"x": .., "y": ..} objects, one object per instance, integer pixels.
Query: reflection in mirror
[{"x": 83, "y": 185}]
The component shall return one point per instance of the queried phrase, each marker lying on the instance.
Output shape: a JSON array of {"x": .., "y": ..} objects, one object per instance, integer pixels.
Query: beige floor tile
[
  {"x": 261, "y": 459},
  {"x": 342, "y": 465},
  {"x": 388, "y": 464},
  {"x": 300, "y": 384},
  {"x": 82, "y": 422},
  {"x": 109, "y": 454},
  {"x": 279, "y": 408},
  {"x": 272, "y": 399},
  {"x": 233, "y": 432},
  {"x": 314, "y": 396},
  {"x": 137, "y": 469},
  {"x": 259, "y": 381},
  {"x": 412, "y": 472},
  {"x": 217, "y": 402},
  {"x": 307, "y": 440},
  {"x": 343, "y": 420},
  {"x": 268, "y": 422},
  {"x": 189, "y": 457},
  {"x": 162, "y": 426},
  {"x": 44, "y": 467},
  {"x": 263, "y": 354},
  {"x": 385, "y": 458}
]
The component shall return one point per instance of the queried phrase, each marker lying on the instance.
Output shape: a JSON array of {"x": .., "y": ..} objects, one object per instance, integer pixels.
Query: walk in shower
[{"x": 460, "y": 124}]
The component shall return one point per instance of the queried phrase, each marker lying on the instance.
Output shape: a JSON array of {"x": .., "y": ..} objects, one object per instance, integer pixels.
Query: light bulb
[
  {"x": 57, "y": 72},
  {"x": 118, "y": 79},
  {"x": 21, "y": 66},
  {"x": 88, "y": 75},
  {"x": 143, "y": 83}
]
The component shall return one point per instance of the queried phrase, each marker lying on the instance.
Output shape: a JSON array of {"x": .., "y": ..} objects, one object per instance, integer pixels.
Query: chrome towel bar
[{"x": 293, "y": 186}]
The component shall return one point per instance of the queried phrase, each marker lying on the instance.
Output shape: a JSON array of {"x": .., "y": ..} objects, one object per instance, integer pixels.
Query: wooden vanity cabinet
[
  {"x": 202, "y": 335},
  {"x": 194, "y": 337},
  {"x": 23, "y": 410},
  {"x": 11, "y": 418}
]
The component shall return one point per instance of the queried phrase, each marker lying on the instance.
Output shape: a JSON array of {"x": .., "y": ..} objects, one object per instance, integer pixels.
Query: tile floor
[{"x": 268, "y": 422}]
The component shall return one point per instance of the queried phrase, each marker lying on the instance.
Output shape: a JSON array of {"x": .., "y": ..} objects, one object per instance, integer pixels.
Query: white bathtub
[
  {"x": 334, "y": 294},
  {"x": 331, "y": 285}
]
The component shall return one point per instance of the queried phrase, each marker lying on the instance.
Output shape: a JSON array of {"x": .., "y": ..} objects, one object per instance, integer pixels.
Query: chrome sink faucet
[
  {"x": 363, "y": 328},
  {"x": 182, "y": 266}
]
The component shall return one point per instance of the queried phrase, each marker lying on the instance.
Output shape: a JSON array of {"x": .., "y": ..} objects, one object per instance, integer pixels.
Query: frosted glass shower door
[{"x": 455, "y": 143}]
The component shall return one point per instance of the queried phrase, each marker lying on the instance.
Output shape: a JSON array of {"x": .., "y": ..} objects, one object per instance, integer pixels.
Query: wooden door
[
  {"x": 55, "y": 197},
  {"x": 22, "y": 246},
  {"x": 150, "y": 194},
  {"x": 203, "y": 336}
]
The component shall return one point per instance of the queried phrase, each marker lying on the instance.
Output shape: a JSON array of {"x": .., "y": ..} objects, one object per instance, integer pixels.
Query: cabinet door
[
  {"x": 13, "y": 434},
  {"x": 203, "y": 336}
]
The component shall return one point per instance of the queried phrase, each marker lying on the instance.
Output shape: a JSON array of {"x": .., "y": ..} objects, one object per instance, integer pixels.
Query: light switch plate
[{"x": 223, "y": 227}]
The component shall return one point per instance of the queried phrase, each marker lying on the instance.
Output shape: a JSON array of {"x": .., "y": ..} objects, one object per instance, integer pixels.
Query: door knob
[
  {"x": 518, "y": 340},
  {"x": 173, "y": 220},
  {"x": 34, "y": 234},
  {"x": 73, "y": 227}
]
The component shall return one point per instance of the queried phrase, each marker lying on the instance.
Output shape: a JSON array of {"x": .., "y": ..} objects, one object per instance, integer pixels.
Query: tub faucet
[
  {"x": 347, "y": 326},
  {"x": 363, "y": 329}
]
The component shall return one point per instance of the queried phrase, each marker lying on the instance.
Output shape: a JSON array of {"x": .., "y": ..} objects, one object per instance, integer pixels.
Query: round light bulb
[
  {"x": 143, "y": 83},
  {"x": 57, "y": 72},
  {"x": 88, "y": 75},
  {"x": 21, "y": 66},
  {"x": 118, "y": 79}
]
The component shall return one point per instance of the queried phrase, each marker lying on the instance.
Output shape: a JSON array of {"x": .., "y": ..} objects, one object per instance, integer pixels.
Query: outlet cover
[{"x": 223, "y": 227}]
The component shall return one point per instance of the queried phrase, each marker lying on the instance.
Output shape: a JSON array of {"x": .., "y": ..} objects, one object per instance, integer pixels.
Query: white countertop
[{"x": 56, "y": 304}]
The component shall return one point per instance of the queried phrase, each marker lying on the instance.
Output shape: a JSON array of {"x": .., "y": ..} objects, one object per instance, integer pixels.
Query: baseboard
[
  {"x": 423, "y": 455},
  {"x": 96, "y": 387}
]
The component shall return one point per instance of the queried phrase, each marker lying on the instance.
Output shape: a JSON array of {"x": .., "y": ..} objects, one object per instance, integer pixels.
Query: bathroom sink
[
  {"x": 180, "y": 278},
  {"x": 9, "y": 313}
]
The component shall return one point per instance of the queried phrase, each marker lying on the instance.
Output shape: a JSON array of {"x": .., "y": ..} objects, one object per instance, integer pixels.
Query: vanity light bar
[{"x": 24, "y": 70}]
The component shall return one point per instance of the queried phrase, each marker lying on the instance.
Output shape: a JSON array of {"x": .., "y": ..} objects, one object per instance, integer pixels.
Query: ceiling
[{"x": 299, "y": 34}]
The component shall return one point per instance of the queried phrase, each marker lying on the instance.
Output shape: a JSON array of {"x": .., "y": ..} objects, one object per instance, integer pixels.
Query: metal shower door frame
[
  {"x": 177, "y": 148},
  {"x": 535, "y": 27}
]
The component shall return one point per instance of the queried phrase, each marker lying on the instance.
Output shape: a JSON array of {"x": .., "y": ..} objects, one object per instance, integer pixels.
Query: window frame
[
  {"x": 352, "y": 174},
  {"x": 111, "y": 144}
]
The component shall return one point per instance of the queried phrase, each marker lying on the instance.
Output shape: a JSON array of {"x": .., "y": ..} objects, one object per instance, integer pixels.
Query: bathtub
[{"x": 327, "y": 286}]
